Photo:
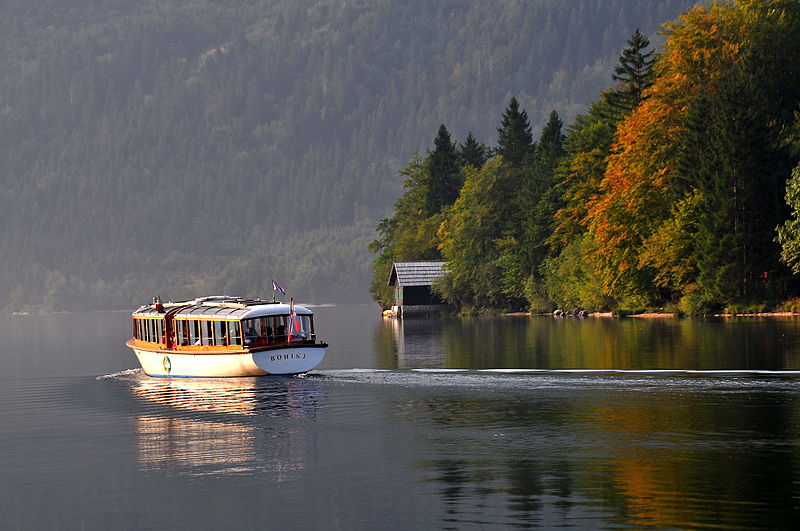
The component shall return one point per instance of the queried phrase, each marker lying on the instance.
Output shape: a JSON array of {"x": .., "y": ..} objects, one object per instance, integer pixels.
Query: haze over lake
[{"x": 442, "y": 423}]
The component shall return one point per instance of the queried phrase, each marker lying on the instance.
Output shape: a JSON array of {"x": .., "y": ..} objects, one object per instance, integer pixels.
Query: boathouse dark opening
[{"x": 412, "y": 286}]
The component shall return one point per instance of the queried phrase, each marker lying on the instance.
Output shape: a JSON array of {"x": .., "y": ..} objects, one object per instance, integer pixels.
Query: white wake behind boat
[{"x": 225, "y": 336}]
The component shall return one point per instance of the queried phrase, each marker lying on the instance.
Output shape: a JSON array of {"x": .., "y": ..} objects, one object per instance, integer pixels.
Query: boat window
[
  {"x": 272, "y": 327},
  {"x": 194, "y": 332},
  {"x": 305, "y": 326},
  {"x": 234, "y": 336},
  {"x": 182, "y": 332},
  {"x": 263, "y": 330},
  {"x": 160, "y": 331},
  {"x": 280, "y": 327},
  {"x": 208, "y": 333},
  {"x": 301, "y": 328},
  {"x": 151, "y": 332},
  {"x": 250, "y": 334},
  {"x": 220, "y": 331}
]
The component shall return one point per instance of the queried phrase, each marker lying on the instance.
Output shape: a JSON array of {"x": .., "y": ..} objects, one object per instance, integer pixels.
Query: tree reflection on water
[
  {"x": 544, "y": 342},
  {"x": 642, "y": 449}
]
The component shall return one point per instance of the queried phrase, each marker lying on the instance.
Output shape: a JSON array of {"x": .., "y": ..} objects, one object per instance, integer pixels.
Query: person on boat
[{"x": 250, "y": 336}]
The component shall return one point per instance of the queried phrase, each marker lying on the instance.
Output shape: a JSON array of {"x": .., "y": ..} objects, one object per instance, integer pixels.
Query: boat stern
[{"x": 290, "y": 360}]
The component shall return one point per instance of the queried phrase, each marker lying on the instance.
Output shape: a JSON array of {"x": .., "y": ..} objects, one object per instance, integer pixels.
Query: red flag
[{"x": 294, "y": 323}]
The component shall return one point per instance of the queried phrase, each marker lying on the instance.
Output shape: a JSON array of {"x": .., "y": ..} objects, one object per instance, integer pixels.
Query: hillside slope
[{"x": 178, "y": 147}]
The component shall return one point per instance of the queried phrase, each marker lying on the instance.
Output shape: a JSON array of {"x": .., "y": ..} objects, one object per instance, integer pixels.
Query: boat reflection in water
[{"x": 227, "y": 426}]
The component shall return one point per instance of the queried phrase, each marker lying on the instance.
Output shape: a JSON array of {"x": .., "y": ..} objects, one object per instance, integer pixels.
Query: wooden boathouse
[{"x": 412, "y": 287}]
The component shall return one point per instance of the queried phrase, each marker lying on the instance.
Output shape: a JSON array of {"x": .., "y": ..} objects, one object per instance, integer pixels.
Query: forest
[
  {"x": 189, "y": 147},
  {"x": 677, "y": 188}
]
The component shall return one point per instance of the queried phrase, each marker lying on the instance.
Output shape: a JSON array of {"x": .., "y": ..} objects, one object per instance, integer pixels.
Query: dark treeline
[
  {"x": 674, "y": 188},
  {"x": 178, "y": 147}
]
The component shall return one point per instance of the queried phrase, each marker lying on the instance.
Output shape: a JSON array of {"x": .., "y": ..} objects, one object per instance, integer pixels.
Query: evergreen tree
[
  {"x": 444, "y": 173},
  {"x": 526, "y": 247},
  {"x": 742, "y": 178},
  {"x": 634, "y": 74},
  {"x": 550, "y": 148},
  {"x": 473, "y": 153},
  {"x": 515, "y": 141}
]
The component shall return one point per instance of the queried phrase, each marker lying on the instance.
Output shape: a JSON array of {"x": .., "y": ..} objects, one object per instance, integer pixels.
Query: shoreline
[{"x": 658, "y": 315}]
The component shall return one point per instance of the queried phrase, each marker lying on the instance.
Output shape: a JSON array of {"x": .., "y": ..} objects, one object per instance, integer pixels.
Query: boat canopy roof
[{"x": 220, "y": 307}]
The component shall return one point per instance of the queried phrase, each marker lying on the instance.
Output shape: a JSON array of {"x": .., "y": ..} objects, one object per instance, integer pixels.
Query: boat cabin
[{"x": 212, "y": 323}]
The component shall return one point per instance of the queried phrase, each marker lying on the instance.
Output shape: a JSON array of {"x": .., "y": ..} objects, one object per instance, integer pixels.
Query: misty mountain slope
[{"x": 187, "y": 145}]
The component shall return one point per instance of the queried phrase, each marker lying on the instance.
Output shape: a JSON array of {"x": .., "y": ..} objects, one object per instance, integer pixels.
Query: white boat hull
[{"x": 169, "y": 363}]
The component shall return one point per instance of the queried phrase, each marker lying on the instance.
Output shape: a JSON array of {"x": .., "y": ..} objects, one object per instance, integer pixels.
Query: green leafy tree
[
  {"x": 410, "y": 234},
  {"x": 568, "y": 279},
  {"x": 472, "y": 235},
  {"x": 587, "y": 146},
  {"x": 789, "y": 232}
]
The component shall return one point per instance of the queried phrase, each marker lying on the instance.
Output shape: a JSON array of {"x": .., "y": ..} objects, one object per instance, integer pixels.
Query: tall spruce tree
[
  {"x": 444, "y": 173},
  {"x": 473, "y": 153},
  {"x": 633, "y": 74},
  {"x": 550, "y": 148},
  {"x": 515, "y": 140},
  {"x": 526, "y": 248},
  {"x": 742, "y": 178}
]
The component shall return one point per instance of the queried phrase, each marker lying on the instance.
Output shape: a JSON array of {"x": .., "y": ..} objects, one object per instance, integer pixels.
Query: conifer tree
[
  {"x": 444, "y": 173},
  {"x": 515, "y": 141},
  {"x": 473, "y": 153},
  {"x": 526, "y": 248},
  {"x": 550, "y": 148},
  {"x": 633, "y": 74}
]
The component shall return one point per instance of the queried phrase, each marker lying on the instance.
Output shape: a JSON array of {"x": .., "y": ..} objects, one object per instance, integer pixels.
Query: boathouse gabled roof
[{"x": 421, "y": 273}]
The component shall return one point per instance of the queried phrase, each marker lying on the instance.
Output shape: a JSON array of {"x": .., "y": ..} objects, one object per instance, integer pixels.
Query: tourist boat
[{"x": 225, "y": 336}]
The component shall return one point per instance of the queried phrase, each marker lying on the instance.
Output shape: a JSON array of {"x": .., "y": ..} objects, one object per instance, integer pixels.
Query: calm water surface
[{"x": 444, "y": 423}]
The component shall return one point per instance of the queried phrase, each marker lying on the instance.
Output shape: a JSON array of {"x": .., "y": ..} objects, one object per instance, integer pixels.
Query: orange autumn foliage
[{"x": 642, "y": 181}]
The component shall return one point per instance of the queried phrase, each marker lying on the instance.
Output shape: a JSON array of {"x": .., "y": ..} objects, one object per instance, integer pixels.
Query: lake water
[{"x": 419, "y": 424}]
